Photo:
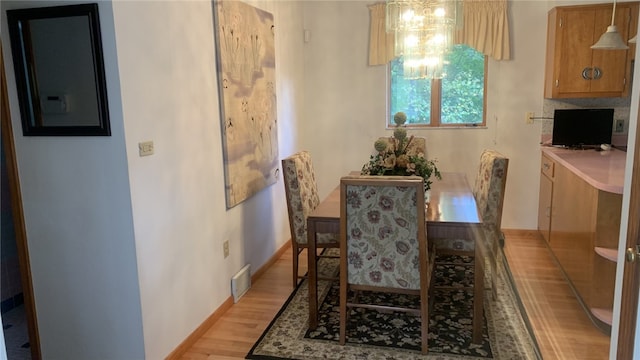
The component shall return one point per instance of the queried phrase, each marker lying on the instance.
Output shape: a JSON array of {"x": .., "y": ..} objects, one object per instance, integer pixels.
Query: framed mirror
[{"x": 59, "y": 67}]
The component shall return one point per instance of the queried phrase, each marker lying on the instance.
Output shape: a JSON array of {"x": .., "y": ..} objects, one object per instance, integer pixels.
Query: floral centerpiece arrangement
[{"x": 393, "y": 156}]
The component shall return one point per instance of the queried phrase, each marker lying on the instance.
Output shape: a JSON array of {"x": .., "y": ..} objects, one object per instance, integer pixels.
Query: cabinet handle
[
  {"x": 586, "y": 73},
  {"x": 546, "y": 166},
  {"x": 632, "y": 254},
  {"x": 547, "y": 212},
  {"x": 597, "y": 73}
]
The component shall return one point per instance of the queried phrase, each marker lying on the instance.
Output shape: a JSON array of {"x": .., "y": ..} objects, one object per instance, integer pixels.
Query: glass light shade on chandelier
[
  {"x": 425, "y": 67},
  {"x": 611, "y": 39},
  {"x": 427, "y": 40},
  {"x": 420, "y": 18},
  {"x": 403, "y": 14},
  {"x": 415, "y": 14},
  {"x": 423, "y": 53},
  {"x": 423, "y": 34}
]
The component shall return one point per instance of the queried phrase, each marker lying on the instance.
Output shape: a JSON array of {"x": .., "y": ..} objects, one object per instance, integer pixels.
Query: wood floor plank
[{"x": 562, "y": 329}]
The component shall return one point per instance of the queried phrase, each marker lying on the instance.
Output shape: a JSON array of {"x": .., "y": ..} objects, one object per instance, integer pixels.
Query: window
[{"x": 455, "y": 100}]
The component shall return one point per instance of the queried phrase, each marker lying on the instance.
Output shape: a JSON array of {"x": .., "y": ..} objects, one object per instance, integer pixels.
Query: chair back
[
  {"x": 489, "y": 188},
  {"x": 417, "y": 146},
  {"x": 383, "y": 232},
  {"x": 301, "y": 191}
]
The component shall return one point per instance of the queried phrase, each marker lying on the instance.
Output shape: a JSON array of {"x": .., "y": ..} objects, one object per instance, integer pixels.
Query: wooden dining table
[{"x": 451, "y": 213}]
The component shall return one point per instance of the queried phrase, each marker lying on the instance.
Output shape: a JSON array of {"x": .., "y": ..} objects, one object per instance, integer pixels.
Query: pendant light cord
[{"x": 613, "y": 15}]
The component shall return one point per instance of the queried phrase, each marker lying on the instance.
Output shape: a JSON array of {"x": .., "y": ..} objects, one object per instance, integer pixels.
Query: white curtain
[
  {"x": 485, "y": 27},
  {"x": 381, "y": 43}
]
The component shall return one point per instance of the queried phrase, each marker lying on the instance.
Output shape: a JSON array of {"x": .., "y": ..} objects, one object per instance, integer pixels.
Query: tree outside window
[{"x": 455, "y": 100}]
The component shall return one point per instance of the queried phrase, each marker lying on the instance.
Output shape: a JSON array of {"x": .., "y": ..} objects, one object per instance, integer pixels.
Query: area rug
[{"x": 396, "y": 335}]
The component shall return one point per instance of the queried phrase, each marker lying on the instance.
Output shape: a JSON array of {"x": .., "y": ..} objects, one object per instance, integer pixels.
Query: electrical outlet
[
  {"x": 619, "y": 126},
  {"x": 529, "y": 117},
  {"x": 225, "y": 248},
  {"x": 145, "y": 148}
]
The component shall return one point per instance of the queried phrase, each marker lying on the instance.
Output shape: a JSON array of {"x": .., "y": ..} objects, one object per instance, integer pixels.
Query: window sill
[{"x": 454, "y": 127}]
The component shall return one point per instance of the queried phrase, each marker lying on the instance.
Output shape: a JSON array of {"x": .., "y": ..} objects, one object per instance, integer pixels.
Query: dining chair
[
  {"x": 302, "y": 198},
  {"x": 418, "y": 145},
  {"x": 488, "y": 191},
  {"x": 383, "y": 243}
]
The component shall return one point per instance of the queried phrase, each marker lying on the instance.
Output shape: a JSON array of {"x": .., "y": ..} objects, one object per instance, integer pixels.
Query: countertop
[{"x": 603, "y": 170}]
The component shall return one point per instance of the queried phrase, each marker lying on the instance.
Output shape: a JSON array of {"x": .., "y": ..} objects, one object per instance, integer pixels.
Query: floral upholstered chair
[
  {"x": 383, "y": 243},
  {"x": 488, "y": 192},
  {"x": 302, "y": 198}
]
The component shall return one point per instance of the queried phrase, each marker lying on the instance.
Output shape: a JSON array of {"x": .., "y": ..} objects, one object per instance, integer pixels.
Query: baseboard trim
[
  {"x": 263, "y": 269},
  {"x": 200, "y": 330},
  {"x": 522, "y": 232},
  {"x": 222, "y": 309}
]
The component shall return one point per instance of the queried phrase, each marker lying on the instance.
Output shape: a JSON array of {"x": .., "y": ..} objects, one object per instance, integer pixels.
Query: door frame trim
[{"x": 18, "y": 216}]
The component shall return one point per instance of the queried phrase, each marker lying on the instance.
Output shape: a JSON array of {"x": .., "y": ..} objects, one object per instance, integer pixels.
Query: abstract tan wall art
[{"x": 245, "y": 54}]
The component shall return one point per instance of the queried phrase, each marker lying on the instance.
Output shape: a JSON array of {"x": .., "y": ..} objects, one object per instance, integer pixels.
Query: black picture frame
[{"x": 59, "y": 67}]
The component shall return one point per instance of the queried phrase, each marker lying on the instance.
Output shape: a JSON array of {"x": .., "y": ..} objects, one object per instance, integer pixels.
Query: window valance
[
  {"x": 485, "y": 27},
  {"x": 381, "y": 43}
]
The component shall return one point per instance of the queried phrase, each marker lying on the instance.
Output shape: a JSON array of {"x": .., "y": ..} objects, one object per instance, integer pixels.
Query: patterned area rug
[{"x": 396, "y": 335}]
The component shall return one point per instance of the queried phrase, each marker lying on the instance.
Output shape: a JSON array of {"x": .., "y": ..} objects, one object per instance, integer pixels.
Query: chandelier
[{"x": 423, "y": 32}]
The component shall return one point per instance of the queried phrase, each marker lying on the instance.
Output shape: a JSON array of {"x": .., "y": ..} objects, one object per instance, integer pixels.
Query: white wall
[
  {"x": 80, "y": 234},
  {"x": 167, "y": 62},
  {"x": 167, "y": 68},
  {"x": 346, "y": 104},
  {"x": 121, "y": 243},
  {"x": 169, "y": 95}
]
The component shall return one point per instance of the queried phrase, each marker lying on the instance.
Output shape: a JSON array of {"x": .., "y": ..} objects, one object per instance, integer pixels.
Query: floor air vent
[{"x": 241, "y": 282}]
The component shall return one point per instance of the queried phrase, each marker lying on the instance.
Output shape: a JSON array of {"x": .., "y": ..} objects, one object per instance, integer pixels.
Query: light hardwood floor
[{"x": 562, "y": 329}]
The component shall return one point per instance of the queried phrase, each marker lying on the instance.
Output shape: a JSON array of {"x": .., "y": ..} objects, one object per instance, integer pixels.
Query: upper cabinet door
[
  {"x": 612, "y": 64},
  {"x": 573, "y": 69},
  {"x": 575, "y": 34}
]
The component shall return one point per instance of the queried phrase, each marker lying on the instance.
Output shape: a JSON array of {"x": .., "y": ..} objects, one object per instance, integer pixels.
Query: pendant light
[{"x": 611, "y": 39}]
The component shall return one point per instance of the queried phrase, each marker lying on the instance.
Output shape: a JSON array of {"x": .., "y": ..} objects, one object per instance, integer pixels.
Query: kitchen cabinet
[
  {"x": 572, "y": 68},
  {"x": 582, "y": 231}
]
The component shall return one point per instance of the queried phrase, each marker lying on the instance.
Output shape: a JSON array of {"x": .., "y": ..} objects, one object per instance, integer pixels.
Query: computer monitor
[{"x": 582, "y": 127}]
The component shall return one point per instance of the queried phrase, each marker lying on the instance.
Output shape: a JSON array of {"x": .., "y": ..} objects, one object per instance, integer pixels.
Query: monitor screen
[{"x": 578, "y": 127}]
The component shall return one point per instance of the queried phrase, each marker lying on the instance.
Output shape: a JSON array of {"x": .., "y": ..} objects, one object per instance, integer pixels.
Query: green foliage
[
  {"x": 380, "y": 164},
  {"x": 462, "y": 90},
  {"x": 463, "y": 87}
]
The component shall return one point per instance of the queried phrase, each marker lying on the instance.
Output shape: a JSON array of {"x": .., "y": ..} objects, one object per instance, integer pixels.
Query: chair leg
[
  {"x": 296, "y": 254},
  {"x": 343, "y": 312},
  {"x": 494, "y": 281},
  {"x": 424, "y": 321},
  {"x": 495, "y": 255}
]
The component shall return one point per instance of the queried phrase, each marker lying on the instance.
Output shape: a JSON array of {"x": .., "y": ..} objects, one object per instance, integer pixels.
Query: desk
[{"x": 452, "y": 213}]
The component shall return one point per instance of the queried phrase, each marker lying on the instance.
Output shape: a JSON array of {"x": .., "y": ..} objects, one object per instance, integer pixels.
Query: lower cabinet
[
  {"x": 583, "y": 234},
  {"x": 544, "y": 208}
]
